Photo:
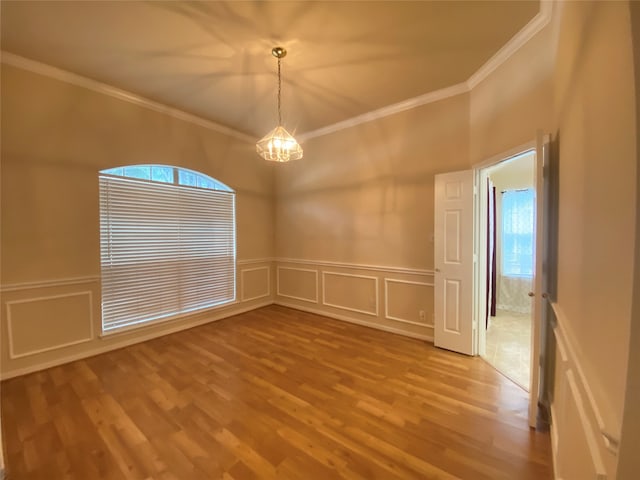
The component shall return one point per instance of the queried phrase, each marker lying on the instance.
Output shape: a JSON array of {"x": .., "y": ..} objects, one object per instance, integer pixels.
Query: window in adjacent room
[
  {"x": 167, "y": 244},
  {"x": 517, "y": 232}
]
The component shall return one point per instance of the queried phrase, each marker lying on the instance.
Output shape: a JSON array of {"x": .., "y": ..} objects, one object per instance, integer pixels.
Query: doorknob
[
  {"x": 531, "y": 294},
  {"x": 545, "y": 295},
  {"x": 437, "y": 270}
]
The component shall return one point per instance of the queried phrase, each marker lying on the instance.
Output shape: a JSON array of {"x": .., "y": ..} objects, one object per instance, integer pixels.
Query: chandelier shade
[{"x": 279, "y": 145}]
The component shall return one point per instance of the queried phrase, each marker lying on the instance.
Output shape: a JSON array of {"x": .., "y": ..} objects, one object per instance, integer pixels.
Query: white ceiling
[{"x": 212, "y": 59}]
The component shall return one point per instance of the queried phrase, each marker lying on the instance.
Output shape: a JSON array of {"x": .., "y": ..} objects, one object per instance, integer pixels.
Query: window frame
[{"x": 229, "y": 230}]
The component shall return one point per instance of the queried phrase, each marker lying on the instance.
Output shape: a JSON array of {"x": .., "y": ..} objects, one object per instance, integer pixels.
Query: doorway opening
[{"x": 506, "y": 190}]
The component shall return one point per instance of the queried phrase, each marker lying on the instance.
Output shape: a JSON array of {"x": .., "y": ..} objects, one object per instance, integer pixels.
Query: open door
[
  {"x": 454, "y": 263},
  {"x": 539, "y": 294}
]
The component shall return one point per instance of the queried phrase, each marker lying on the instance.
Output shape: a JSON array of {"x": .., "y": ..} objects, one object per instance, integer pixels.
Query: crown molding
[
  {"x": 40, "y": 68},
  {"x": 536, "y": 24},
  {"x": 516, "y": 42},
  {"x": 409, "y": 104}
]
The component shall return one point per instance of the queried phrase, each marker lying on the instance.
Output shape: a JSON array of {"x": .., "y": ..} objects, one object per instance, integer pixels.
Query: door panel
[
  {"x": 451, "y": 304},
  {"x": 539, "y": 295},
  {"x": 454, "y": 262},
  {"x": 452, "y": 237}
]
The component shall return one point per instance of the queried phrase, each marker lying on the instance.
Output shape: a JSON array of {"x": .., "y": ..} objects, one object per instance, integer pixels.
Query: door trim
[{"x": 480, "y": 248}]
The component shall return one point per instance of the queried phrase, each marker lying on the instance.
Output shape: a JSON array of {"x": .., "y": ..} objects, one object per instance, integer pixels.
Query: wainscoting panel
[
  {"x": 405, "y": 300},
  {"x": 388, "y": 297},
  {"x": 255, "y": 283},
  {"x": 582, "y": 446},
  {"x": 578, "y": 454},
  {"x": 298, "y": 283},
  {"x": 41, "y": 324},
  {"x": 45, "y": 323},
  {"x": 50, "y": 322},
  {"x": 347, "y": 291}
]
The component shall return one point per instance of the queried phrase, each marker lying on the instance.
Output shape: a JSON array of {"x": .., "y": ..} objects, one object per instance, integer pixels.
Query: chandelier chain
[{"x": 279, "y": 94}]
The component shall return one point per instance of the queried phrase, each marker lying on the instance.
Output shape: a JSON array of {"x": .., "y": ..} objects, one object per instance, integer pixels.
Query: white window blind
[{"x": 166, "y": 249}]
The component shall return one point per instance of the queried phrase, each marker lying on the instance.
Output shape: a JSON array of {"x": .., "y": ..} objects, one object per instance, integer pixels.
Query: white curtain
[{"x": 517, "y": 236}]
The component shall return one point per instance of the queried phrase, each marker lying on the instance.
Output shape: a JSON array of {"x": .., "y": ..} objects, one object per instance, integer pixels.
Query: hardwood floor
[{"x": 273, "y": 393}]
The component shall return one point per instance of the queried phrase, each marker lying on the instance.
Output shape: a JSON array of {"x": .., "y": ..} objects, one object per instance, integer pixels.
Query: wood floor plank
[{"x": 272, "y": 393}]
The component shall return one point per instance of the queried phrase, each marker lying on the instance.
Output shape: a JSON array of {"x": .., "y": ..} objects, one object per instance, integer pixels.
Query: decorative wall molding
[
  {"x": 56, "y": 282},
  {"x": 280, "y": 294},
  {"x": 389, "y": 110},
  {"x": 500, "y": 57},
  {"x": 343, "y": 307},
  {"x": 610, "y": 434},
  {"x": 381, "y": 271},
  {"x": 596, "y": 458},
  {"x": 252, "y": 261},
  {"x": 127, "y": 341},
  {"x": 62, "y": 282},
  {"x": 356, "y": 266},
  {"x": 553, "y": 430},
  {"x": 387, "y": 281},
  {"x": 14, "y": 355},
  {"x": 68, "y": 77},
  {"x": 562, "y": 363},
  {"x": 357, "y": 321},
  {"x": 536, "y": 24},
  {"x": 245, "y": 270}
]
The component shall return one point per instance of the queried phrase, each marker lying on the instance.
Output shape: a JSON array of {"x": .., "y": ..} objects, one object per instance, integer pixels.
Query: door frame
[{"x": 480, "y": 238}]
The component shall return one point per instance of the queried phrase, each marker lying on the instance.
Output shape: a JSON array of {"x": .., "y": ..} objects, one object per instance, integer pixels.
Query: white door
[
  {"x": 539, "y": 293},
  {"x": 454, "y": 267}
]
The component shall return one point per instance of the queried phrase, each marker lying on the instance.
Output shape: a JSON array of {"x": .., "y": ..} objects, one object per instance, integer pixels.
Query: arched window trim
[{"x": 179, "y": 176}]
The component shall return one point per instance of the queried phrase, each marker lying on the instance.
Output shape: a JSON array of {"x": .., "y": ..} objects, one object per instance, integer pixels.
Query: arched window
[{"x": 167, "y": 244}]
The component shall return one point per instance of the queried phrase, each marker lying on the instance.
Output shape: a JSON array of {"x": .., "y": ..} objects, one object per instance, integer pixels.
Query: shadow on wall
[{"x": 365, "y": 194}]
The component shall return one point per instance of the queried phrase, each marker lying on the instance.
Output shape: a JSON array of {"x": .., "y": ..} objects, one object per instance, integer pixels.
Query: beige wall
[
  {"x": 365, "y": 194},
  {"x": 574, "y": 79},
  {"x": 595, "y": 134},
  {"x": 56, "y": 137},
  {"x": 353, "y": 221},
  {"x": 629, "y": 463},
  {"x": 514, "y": 101},
  {"x": 364, "y": 197}
]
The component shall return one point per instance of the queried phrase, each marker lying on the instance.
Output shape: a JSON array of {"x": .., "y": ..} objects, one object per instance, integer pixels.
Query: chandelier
[{"x": 279, "y": 145}]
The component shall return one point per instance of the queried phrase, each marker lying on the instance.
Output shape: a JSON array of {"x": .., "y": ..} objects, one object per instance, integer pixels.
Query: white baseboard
[{"x": 356, "y": 321}]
